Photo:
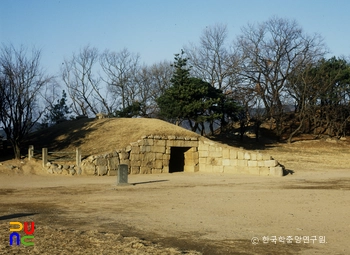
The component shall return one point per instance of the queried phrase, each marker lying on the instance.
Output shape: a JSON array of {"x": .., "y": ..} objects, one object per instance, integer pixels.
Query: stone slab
[
  {"x": 276, "y": 171},
  {"x": 122, "y": 174},
  {"x": 101, "y": 170}
]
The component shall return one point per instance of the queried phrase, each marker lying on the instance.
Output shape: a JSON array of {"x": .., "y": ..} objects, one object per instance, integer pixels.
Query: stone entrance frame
[
  {"x": 183, "y": 159},
  {"x": 152, "y": 154}
]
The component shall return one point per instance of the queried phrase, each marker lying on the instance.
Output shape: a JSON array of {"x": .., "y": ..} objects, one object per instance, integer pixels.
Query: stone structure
[
  {"x": 214, "y": 157},
  {"x": 159, "y": 154},
  {"x": 65, "y": 169},
  {"x": 101, "y": 115}
]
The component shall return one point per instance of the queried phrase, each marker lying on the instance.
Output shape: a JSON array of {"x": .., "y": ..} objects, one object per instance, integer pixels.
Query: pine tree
[
  {"x": 189, "y": 98},
  {"x": 57, "y": 112}
]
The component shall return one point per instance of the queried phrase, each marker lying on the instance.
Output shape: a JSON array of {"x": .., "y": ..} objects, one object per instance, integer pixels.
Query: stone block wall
[
  {"x": 151, "y": 155},
  {"x": 105, "y": 164},
  {"x": 218, "y": 158}
]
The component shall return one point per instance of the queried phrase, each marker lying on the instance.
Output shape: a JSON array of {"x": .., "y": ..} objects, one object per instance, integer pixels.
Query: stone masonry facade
[
  {"x": 151, "y": 155},
  {"x": 218, "y": 158}
]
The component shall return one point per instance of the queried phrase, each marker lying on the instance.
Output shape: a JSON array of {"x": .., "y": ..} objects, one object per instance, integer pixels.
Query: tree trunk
[
  {"x": 203, "y": 129},
  {"x": 242, "y": 129},
  {"x": 16, "y": 149},
  {"x": 257, "y": 128},
  {"x": 279, "y": 128},
  {"x": 190, "y": 123},
  {"x": 223, "y": 122},
  {"x": 211, "y": 127},
  {"x": 194, "y": 127},
  {"x": 295, "y": 131}
]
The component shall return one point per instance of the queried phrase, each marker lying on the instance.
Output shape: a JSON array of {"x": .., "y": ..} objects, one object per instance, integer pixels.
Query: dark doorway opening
[{"x": 177, "y": 159}]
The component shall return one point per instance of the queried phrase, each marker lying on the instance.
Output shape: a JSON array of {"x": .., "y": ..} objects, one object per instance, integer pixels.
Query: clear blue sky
[{"x": 156, "y": 29}]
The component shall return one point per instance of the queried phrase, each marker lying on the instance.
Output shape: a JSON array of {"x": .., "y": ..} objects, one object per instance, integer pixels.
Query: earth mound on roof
[{"x": 96, "y": 136}]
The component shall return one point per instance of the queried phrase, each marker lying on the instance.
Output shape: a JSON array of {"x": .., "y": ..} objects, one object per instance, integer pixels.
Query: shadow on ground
[
  {"x": 73, "y": 131},
  {"x": 15, "y": 216},
  {"x": 232, "y": 138}
]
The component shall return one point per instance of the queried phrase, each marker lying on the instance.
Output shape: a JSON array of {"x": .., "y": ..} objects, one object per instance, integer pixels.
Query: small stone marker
[{"x": 122, "y": 175}]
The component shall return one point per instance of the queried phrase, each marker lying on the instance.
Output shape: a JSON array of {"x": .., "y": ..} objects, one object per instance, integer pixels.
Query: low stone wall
[
  {"x": 105, "y": 164},
  {"x": 66, "y": 169},
  {"x": 217, "y": 158}
]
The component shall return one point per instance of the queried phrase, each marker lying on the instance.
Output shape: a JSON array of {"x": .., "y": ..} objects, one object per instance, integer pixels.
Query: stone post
[
  {"x": 30, "y": 152},
  {"x": 122, "y": 174},
  {"x": 78, "y": 160},
  {"x": 78, "y": 157},
  {"x": 44, "y": 156}
]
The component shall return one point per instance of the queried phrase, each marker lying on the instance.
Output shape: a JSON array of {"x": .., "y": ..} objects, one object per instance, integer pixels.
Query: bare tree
[
  {"x": 83, "y": 87},
  {"x": 322, "y": 95},
  {"x": 120, "y": 69},
  {"x": 144, "y": 86},
  {"x": 21, "y": 82},
  {"x": 211, "y": 60},
  {"x": 302, "y": 87},
  {"x": 159, "y": 76},
  {"x": 270, "y": 52},
  {"x": 215, "y": 63}
]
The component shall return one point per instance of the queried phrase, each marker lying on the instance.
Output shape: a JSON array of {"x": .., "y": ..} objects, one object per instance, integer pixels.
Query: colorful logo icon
[{"x": 23, "y": 239}]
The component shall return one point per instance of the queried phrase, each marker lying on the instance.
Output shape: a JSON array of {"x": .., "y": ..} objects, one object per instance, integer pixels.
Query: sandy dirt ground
[{"x": 186, "y": 213}]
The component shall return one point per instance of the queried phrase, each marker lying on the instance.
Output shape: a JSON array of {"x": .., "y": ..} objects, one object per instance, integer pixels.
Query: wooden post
[
  {"x": 30, "y": 152},
  {"x": 44, "y": 155},
  {"x": 78, "y": 157}
]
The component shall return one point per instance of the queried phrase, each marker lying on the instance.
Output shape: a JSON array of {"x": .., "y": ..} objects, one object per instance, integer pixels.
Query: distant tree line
[{"x": 269, "y": 66}]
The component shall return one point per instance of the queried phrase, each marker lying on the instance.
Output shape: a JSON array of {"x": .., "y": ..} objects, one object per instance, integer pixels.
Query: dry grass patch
[{"x": 104, "y": 135}]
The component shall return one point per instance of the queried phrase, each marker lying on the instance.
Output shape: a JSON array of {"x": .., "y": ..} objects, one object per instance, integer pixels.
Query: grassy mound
[{"x": 99, "y": 136}]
